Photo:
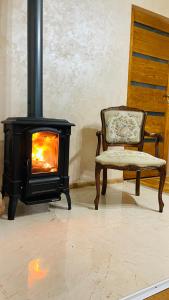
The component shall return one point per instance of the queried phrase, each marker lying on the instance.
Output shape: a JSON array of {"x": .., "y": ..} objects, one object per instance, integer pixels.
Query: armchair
[{"x": 125, "y": 126}]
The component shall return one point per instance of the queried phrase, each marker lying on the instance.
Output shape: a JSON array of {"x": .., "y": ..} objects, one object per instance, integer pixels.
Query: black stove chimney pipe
[{"x": 35, "y": 58}]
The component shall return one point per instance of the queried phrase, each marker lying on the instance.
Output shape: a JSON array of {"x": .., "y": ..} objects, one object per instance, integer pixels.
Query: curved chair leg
[
  {"x": 104, "y": 184},
  {"x": 162, "y": 171},
  {"x": 138, "y": 173},
  {"x": 97, "y": 178}
]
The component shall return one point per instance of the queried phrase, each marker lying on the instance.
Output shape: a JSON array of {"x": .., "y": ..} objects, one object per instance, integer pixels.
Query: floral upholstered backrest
[{"x": 123, "y": 126}]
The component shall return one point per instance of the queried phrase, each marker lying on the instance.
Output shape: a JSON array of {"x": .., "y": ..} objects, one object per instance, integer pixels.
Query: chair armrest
[
  {"x": 99, "y": 135},
  {"x": 153, "y": 135},
  {"x": 158, "y": 137}
]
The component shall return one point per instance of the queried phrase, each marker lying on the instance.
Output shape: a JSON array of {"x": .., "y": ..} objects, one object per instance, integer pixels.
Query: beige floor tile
[{"x": 48, "y": 252}]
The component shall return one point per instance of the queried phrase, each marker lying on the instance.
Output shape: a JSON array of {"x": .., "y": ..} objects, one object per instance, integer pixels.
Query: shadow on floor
[{"x": 26, "y": 210}]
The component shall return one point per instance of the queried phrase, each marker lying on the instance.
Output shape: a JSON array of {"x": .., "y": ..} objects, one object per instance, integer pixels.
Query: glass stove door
[{"x": 45, "y": 152}]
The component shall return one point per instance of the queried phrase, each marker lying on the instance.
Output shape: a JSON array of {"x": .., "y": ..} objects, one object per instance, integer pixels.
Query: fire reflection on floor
[{"x": 36, "y": 272}]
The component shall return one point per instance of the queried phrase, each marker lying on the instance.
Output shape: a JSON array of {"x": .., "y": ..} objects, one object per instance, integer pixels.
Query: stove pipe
[{"x": 35, "y": 58}]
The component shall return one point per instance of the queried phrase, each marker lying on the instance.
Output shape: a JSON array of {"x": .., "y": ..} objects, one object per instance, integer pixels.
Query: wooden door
[{"x": 148, "y": 84}]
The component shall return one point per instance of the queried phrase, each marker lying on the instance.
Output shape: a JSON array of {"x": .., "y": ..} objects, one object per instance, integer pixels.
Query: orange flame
[
  {"x": 44, "y": 152},
  {"x": 35, "y": 272}
]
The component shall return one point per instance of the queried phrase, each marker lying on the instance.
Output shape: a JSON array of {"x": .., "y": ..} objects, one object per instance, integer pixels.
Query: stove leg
[
  {"x": 3, "y": 192},
  {"x": 68, "y": 199},
  {"x": 3, "y": 188},
  {"x": 13, "y": 200}
]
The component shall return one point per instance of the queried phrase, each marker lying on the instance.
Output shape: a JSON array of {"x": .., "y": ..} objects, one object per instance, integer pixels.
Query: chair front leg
[
  {"x": 97, "y": 178},
  {"x": 162, "y": 171},
  {"x": 138, "y": 173},
  {"x": 104, "y": 184}
]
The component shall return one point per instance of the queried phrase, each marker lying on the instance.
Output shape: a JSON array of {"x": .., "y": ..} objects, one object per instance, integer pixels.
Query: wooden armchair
[{"x": 125, "y": 126}]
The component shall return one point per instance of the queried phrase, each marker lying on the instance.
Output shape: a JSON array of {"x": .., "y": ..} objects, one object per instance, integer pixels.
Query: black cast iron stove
[{"x": 36, "y": 149}]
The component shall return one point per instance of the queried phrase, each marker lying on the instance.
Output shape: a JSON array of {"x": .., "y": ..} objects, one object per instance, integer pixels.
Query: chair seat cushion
[{"x": 123, "y": 158}]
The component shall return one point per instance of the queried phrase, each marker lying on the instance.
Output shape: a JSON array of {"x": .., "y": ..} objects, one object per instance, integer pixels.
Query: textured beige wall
[{"x": 86, "y": 50}]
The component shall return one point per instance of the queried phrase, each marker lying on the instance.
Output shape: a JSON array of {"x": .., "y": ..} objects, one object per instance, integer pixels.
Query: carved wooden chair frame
[{"x": 101, "y": 135}]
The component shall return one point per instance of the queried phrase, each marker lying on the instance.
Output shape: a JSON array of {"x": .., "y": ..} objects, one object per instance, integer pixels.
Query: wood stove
[{"x": 36, "y": 149}]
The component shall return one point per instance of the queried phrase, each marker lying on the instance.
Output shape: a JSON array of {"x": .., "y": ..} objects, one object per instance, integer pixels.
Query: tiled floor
[{"x": 49, "y": 252}]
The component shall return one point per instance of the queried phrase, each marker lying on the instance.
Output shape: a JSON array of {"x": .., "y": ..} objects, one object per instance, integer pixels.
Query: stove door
[{"x": 43, "y": 151}]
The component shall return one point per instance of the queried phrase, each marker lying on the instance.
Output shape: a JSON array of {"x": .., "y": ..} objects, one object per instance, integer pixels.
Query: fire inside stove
[{"x": 45, "y": 146}]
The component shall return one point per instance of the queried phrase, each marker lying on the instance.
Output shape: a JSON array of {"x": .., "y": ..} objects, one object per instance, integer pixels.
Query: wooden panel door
[{"x": 148, "y": 80}]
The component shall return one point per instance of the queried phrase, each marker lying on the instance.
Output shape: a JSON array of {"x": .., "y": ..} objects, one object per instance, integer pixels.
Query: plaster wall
[{"x": 86, "y": 51}]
